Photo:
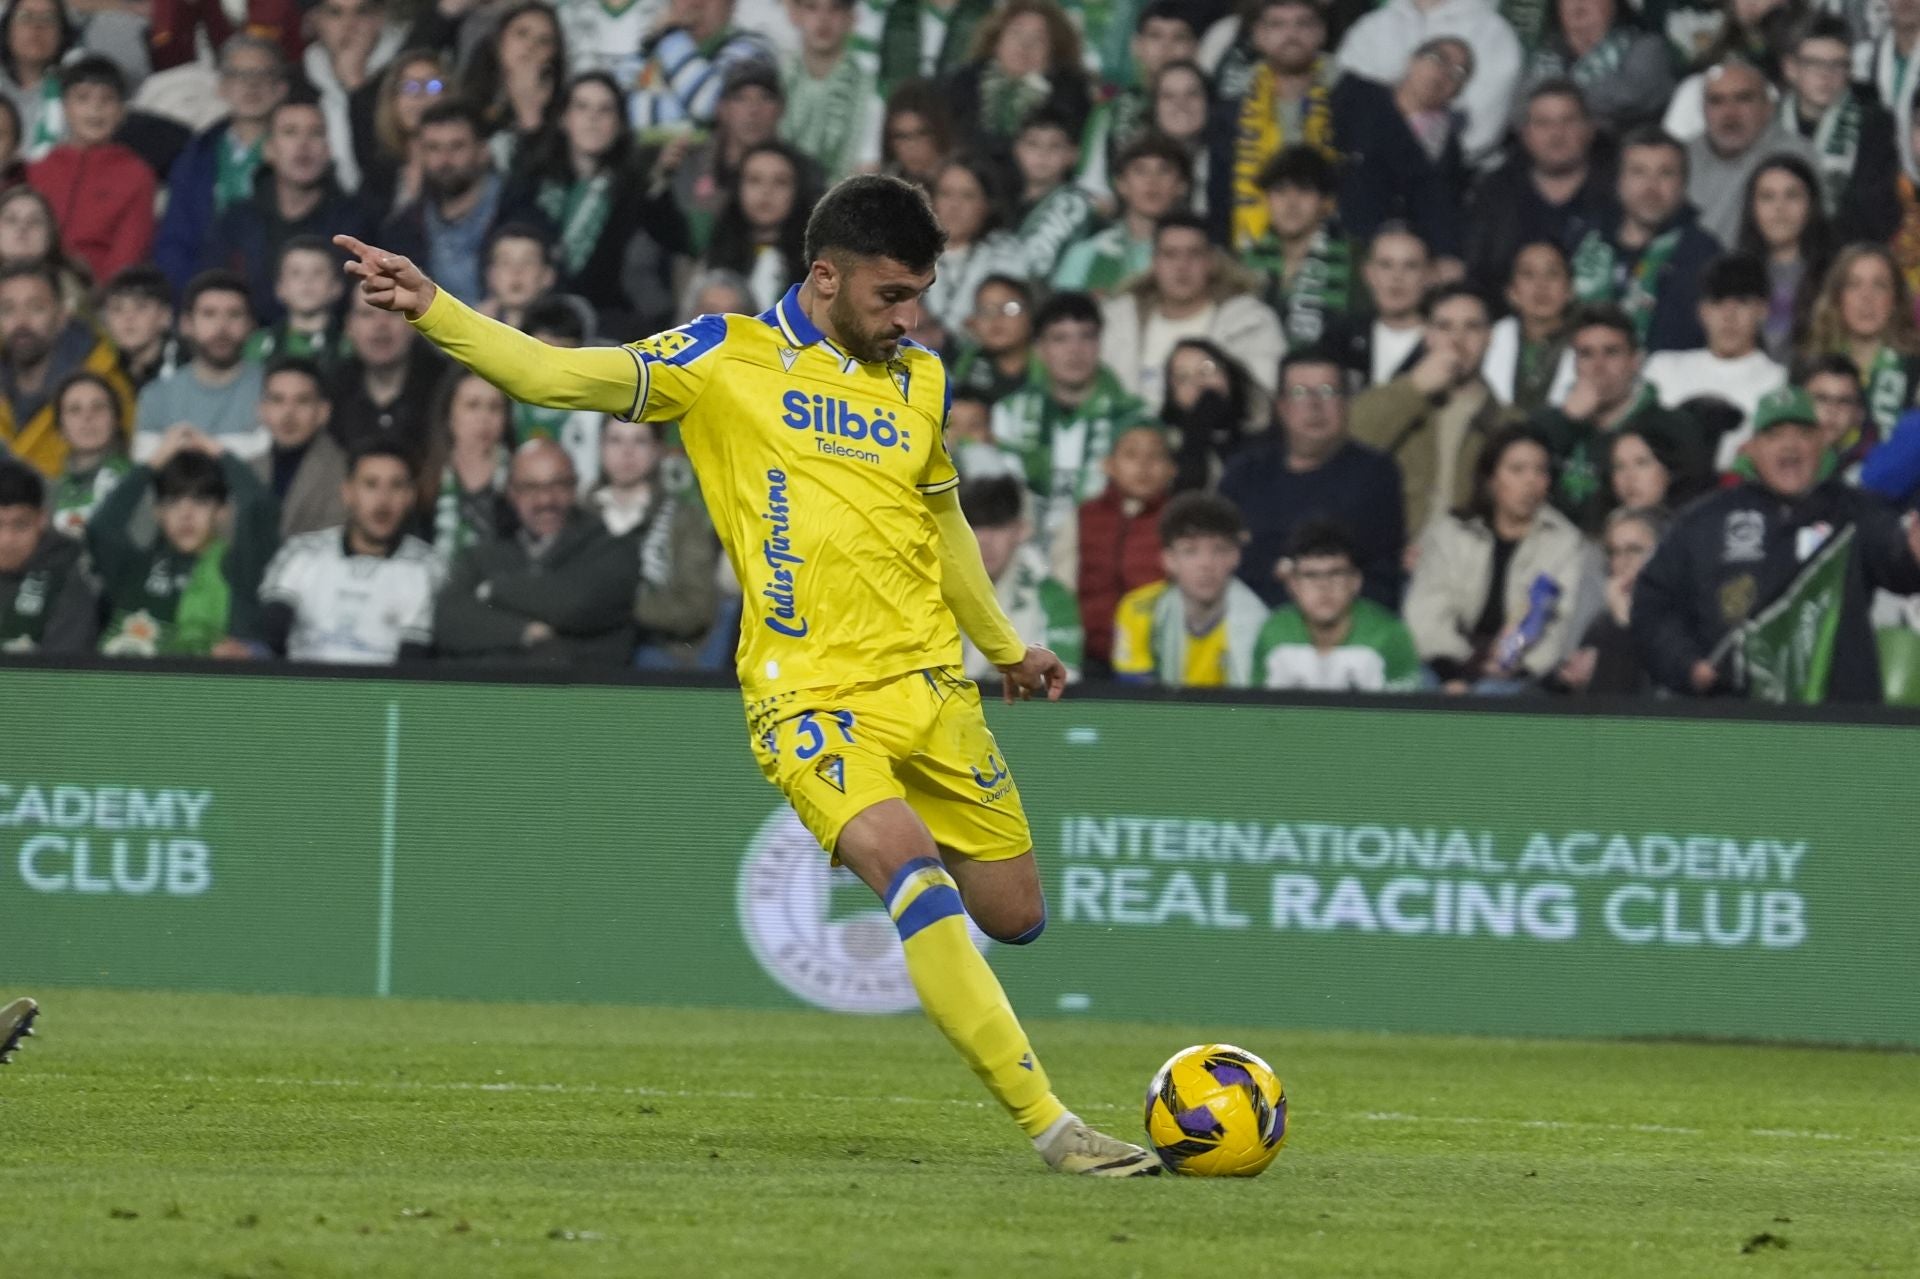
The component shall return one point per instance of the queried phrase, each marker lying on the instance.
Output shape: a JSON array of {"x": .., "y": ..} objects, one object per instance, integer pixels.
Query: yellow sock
[{"x": 962, "y": 996}]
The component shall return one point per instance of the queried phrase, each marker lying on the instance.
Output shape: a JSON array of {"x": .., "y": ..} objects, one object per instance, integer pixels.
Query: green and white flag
[{"x": 1785, "y": 652}]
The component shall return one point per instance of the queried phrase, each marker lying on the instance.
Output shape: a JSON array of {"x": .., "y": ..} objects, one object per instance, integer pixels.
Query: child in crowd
[
  {"x": 1120, "y": 533},
  {"x": 309, "y": 284},
  {"x": 519, "y": 269},
  {"x": 1330, "y": 638},
  {"x": 136, "y": 313},
  {"x": 1198, "y": 628},
  {"x": 1040, "y": 607},
  {"x": 1054, "y": 212},
  {"x": 103, "y": 191}
]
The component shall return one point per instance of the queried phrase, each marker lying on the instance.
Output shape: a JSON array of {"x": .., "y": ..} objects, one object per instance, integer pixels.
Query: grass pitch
[{"x": 149, "y": 1135}]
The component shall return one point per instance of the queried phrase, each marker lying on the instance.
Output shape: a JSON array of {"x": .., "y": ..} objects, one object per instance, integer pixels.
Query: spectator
[
  {"x": 384, "y": 387},
  {"x": 969, "y": 205},
  {"x": 514, "y": 75},
  {"x": 761, "y": 231},
  {"x": 102, "y": 192},
  {"x": 685, "y": 62},
  {"x": 998, "y": 361},
  {"x": 1731, "y": 367},
  {"x": 1609, "y": 397},
  {"x": 557, "y": 588},
  {"x": 462, "y": 200},
  {"x": 1647, "y": 257},
  {"x": 193, "y": 589},
  {"x": 1289, "y": 102},
  {"x": 13, "y": 169},
  {"x": 679, "y": 553},
  {"x": 1039, "y": 606},
  {"x": 1434, "y": 419},
  {"x": 1329, "y": 638},
  {"x": 715, "y": 292},
  {"x": 1401, "y": 147},
  {"x": 1865, "y": 313},
  {"x": 916, "y": 134},
  {"x": 1052, "y": 212},
  {"x": 1528, "y": 364},
  {"x": 1150, "y": 179},
  {"x": 1380, "y": 45},
  {"x": 1624, "y": 73},
  {"x": 1183, "y": 110},
  {"x": 463, "y": 486},
  {"x": 1061, "y": 426},
  {"x": 1492, "y": 595},
  {"x": 1198, "y": 628},
  {"x": 1119, "y": 536},
  {"x": 353, "y": 42},
  {"x": 1315, "y": 472},
  {"x": 1306, "y": 257},
  {"x": 1164, "y": 32},
  {"x": 35, "y": 38},
  {"x": 558, "y": 321},
  {"x": 359, "y": 593},
  {"x": 29, "y": 236},
  {"x": 178, "y": 26},
  {"x": 1851, "y": 134},
  {"x": 308, "y": 285},
  {"x": 1552, "y": 190},
  {"x": 40, "y": 344},
  {"x": 1605, "y": 660},
  {"x": 46, "y": 603},
  {"x": 1644, "y": 470},
  {"x": 217, "y": 391},
  {"x": 217, "y": 167},
  {"x": 1885, "y": 61},
  {"x": 926, "y": 38},
  {"x": 1733, "y": 554},
  {"x": 1191, "y": 290},
  {"x": 390, "y": 169},
  {"x": 90, "y": 416},
  {"x": 1396, "y": 270},
  {"x": 1833, "y": 384},
  {"x": 705, "y": 172},
  {"x": 302, "y": 467},
  {"x": 618, "y": 239},
  {"x": 518, "y": 270},
  {"x": 136, "y": 314},
  {"x": 1742, "y": 132},
  {"x": 1025, "y": 59},
  {"x": 1211, "y": 407},
  {"x": 833, "y": 112},
  {"x": 294, "y": 196},
  {"x": 1786, "y": 227}
]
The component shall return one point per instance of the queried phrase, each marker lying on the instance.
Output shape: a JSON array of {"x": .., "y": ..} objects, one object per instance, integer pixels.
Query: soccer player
[
  {"x": 16, "y": 1023},
  {"x": 815, "y": 430}
]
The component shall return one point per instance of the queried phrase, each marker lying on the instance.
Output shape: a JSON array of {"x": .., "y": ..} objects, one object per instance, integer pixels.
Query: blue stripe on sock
[
  {"x": 1031, "y": 933},
  {"x": 900, "y": 877},
  {"x": 930, "y": 907}
]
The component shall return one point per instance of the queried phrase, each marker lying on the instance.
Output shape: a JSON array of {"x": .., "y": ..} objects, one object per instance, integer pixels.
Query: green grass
[{"x": 148, "y": 1135}]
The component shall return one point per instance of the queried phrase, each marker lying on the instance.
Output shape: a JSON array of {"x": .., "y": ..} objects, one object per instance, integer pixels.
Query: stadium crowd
[{"x": 1486, "y": 346}]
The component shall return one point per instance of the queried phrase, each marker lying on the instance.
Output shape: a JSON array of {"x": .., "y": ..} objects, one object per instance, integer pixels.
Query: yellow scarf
[{"x": 1260, "y": 138}]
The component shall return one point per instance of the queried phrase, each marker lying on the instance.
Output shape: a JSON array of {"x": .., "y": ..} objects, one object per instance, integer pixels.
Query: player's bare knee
[{"x": 1019, "y": 928}]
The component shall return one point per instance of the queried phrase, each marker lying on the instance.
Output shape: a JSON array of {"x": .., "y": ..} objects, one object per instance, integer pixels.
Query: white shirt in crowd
[
  {"x": 1391, "y": 347},
  {"x": 1679, "y": 376},
  {"x": 1158, "y": 337},
  {"x": 354, "y": 609}
]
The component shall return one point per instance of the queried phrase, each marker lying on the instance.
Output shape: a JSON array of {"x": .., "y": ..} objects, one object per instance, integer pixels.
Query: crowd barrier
[{"x": 1383, "y": 865}]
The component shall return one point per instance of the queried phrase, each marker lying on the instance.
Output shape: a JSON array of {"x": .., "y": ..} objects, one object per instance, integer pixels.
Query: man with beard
[
  {"x": 462, "y": 200},
  {"x": 1289, "y": 102},
  {"x": 40, "y": 344},
  {"x": 359, "y": 593},
  {"x": 216, "y": 391}
]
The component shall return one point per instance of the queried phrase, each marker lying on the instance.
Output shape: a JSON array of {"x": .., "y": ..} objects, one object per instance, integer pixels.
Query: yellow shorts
[{"x": 920, "y": 737}]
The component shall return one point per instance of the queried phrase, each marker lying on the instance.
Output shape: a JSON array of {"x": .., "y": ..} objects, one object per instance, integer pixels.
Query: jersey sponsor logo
[
  {"x": 994, "y": 781},
  {"x": 783, "y": 617},
  {"x": 825, "y": 415},
  {"x": 817, "y": 930}
]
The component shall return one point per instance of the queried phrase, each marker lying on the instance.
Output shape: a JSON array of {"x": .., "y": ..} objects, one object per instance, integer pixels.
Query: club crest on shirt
[
  {"x": 833, "y": 771},
  {"x": 1745, "y": 538},
  {"x": 1737, "y": 598},
  {"x": 902, "y": 378}
]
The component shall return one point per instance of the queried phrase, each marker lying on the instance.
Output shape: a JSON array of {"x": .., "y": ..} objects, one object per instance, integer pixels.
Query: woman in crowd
[
  {"x": 618, "y": 239},
  {"x": 970, "y": 205},
  {"x": 515, "y": 76},
  {"x": 1181, "y": 99},
  {"x": 674, "y": 605},
  {"x": 30, "y": 235},
  {"x": 1864, "y": 312},
  {"x": 916, "y": 136},
  {"x": 1786, "y": 226},
  {"x": 1496, "y": 582},
  {"x": 35, "y": 38},
  {"x": 1644, "y": 470},
  {"x": 413, "y": 82},
  {"x": 1605, "y": 660},
  {"x": 1026, "y": 55},
  {"x": 762, "y": 227},
  {"x": 91, "y": 418},
  {"x": 1212, "y": 405},
  {"x": 1527, "y": 363},
  {"x": 463, "y": 484}
]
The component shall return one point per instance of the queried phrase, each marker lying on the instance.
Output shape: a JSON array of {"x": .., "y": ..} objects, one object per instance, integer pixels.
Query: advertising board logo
[{"x": 816, "y": 929}]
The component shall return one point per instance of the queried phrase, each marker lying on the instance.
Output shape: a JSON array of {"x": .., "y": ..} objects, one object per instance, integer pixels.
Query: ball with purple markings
[{"x": 1215, "y": 1110}]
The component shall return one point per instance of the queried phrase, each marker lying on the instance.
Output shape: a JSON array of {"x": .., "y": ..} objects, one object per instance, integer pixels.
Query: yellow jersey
[
  {"x": 813, "y": 466},
  {"x": 1136, "y": 653}
]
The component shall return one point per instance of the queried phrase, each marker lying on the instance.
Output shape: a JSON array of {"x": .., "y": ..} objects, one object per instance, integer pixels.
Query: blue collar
[{"x": 791, "y": 319}]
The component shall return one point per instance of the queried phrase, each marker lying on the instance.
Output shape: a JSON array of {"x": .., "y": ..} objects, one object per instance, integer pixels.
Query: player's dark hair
[
  {"x": 21, "y": 485},
  {"x": 1166, "y": 11},
  {"x": 190, "y": 474},
  {"x": 1155, "y": 146},
  {"x": 1602, "y": 315},
  {"x": 873, "y": 215},
  {"x": 301, "y": 366},
  {"x": 94, "y": 69},
  {"x": 1197, "y": 514},
  {"x": 556, "y": 315},
  {"x": 1301, "y": 168},
  {"x": 217, "y": 280},
  {"x": 992, "y": 503},
  {"x": 1735, "y": 276},
  {"x": 382, "y": 448},
  {"x": 1323, "y": 539},
  {"x": 1068, "y": 306},
  {"x": 1441, "y": 294}
]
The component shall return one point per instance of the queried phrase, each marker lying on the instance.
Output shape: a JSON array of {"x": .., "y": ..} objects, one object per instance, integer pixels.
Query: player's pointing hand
[
  {"x": 1039, "y": 672},
  {"x": 389, "y": 281}
]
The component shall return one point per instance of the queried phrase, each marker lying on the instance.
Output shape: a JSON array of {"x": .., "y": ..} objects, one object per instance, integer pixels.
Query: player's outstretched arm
[
  {"x": 1029, "y": 669},
  {"x": 602, "y": 379}
]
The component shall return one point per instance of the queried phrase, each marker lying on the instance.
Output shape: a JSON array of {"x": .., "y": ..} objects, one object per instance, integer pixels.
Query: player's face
[
  {"x": 378, "y": 496},
  {"x": 1324, "y": 587},
  {"x": 872, "y": 304},
  {"x": 20, "y": 528},
  {"x": 1201, "y": 566},
  {"x": 87, "y": 420}
]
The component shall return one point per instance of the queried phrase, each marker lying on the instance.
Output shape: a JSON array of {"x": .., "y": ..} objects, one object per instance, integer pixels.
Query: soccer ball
[{"x": 1216, "y": 1111}]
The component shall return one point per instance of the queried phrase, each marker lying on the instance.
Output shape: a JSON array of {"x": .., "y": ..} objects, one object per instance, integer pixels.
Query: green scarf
[
  {"x": 1887, "y": 387},
  {"x": 1596, "y": 271},
  {"x": 24, "y": 621},
  {"x": 233, "y": 173},
  {"x": 1005, "y": 103},
  {"x": 181, "y": 609},
  {"x": 1323, "y": 286},
  {"x": 1244, "y": 617},
  {"x": 1533, "y": 376},
  {"x": 823, "y": 116},
  {"x": 1836, "y": 143},
  {"x": 76, "y": 493},
  {"x": 453, "y": 532},
  {"x": 897, "y": 48},
  {"x": 1580, "y": 478},
  {"x": 50, "y": 125},
  {"x": 1528, "y": 18},
  {"x": 580, "y": 210},
  {"x": 1598, "y": 63}
]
